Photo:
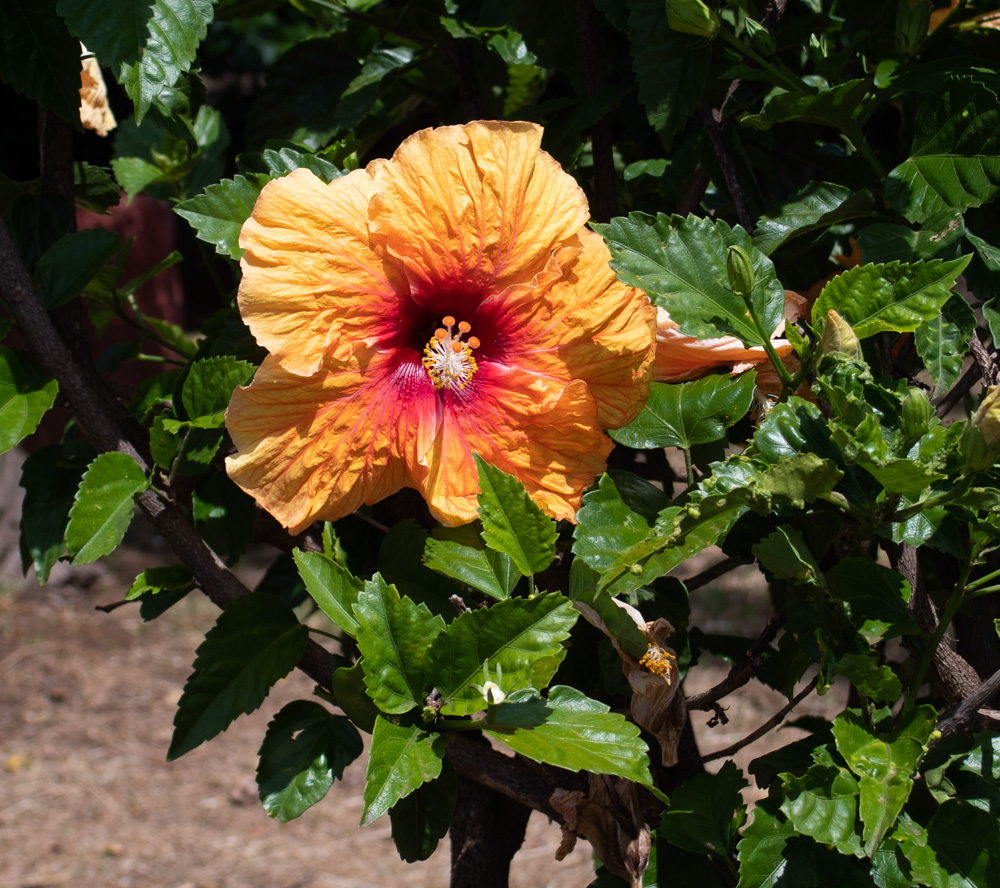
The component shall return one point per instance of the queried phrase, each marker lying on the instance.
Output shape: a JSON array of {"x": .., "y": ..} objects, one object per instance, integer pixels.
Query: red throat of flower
[{"x": 448, "y": 359}]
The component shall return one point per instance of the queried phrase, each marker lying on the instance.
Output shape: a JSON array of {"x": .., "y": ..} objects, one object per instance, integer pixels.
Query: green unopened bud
[
  {"x": 916, "y": 414},
  {"x": 976, "y": 454},
  {"x": 692, "y": 17},
  {"x": 913, "y": 18},
  {"x": 760, "y": 40},
  {"x": 987, "y": 417},
  {"x": 838, "y": 336},
  {"x": 742, "y": 277}
]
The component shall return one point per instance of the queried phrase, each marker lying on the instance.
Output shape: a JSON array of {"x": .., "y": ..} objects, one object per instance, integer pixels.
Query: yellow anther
[{"x": 447, "y": 359}]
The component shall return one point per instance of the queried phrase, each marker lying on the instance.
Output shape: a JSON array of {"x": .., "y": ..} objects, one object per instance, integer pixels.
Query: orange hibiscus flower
[{"x": 444, "y": 302}]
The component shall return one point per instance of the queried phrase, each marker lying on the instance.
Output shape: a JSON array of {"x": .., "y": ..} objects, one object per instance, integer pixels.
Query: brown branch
[
  {"x": 711, "y": 573},
  {"x": 952, "y": 675},
  {"x": 716, "y": 130},
  {"x": 601, "y": 139},
  {"x": 949, "y": 400},
  {"x": 517, "y": 778},
  {"x": 769, "y": 725},
  {"x": 743, "y": 671},
  {"x": 966, "y": 718},
  {"x": 984, "y": 360}
]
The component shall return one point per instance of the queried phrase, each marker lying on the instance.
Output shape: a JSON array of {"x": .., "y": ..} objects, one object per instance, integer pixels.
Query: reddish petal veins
[
  {"x": 319, "y": 447},
  {"x": 315, "y": 283}
]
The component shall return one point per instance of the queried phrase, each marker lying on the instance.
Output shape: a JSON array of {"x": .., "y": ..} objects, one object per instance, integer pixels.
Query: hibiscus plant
[{"x": 487, "y": 317}]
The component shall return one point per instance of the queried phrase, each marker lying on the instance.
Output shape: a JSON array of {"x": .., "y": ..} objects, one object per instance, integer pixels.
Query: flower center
[{"x": 447, "y": 359}]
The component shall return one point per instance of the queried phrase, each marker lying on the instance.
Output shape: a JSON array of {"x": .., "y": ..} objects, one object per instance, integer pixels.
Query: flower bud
[
  {"x": 692, "y": 17},
  {"x": 916, "y": 414},
  {"x": 742, "y": 277},
  {"x": 913, "y": 18},
  {"x": 976, "y": 454},
  {"x": 987, "y": 417},
  {"x": 839, "y": 337}
]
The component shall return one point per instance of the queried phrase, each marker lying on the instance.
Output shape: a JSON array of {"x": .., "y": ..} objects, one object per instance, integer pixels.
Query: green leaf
[
  {"x": 681, "y": 532},
  {"x": 103, "y": 507},
  {"x": 134, "y": 174},
  {"x": 149, "y": 44},
  {"x": 800, "y": 479},
  {"x": 348, "y": 686},
  {"x": 39, "y": 57},
  {"x": 50, "y": 477},
  {"x": 26, "y": 394},
  {"x": 681, "y": 264},
  {"x": 305, "y": 749},
  {"x": 762, "y": 849},
  {"x": 817, "y": 206},
  {"x": 512, "y": 523},
  {"x": 72, "y": 262},
  {"x": 400, "y": 561},
  {"x": 256, "y": 642},
  {"x": 787, "y": 555},
  {"x": 223, "y": 514},
  {"x": 836, "y": 107},
  {"x": 209, "y": 386},
  {"x": 522, "y": 638},
  {"x": 688, "y": 413},
  {"x": 939, "y": 238},
  {"x": 402, "y": 757},
  {"x": 873, "y": 298},
  {"x": 964, "y": 842},
  {"x": 823, "y": 804},
  {"x": 393, "y": 636},
  {"x": 218, "y": 213},
  {"x": 459, "y": 553},
  {"x": 569, "y": 730},
  {"x": 885, "y": 764},
  {"x": 94, "y": 188},
  {"x": 943, "y": 341},
  {"x": 363, "y": 91},
  {"x": 332, "y": 586},
  {"x": 275, "y": 162},
  {"x": 670, "y": 68},
  {"x": 955, "y": 159},
  {"x": 423, "y": 818},
  {"x": 607, "y": 526},
  {"x": 705, "y": 812},
  {"x": 876, "y": 596},
  {"x": 602, "y": 610},
  {"x": 154, "y": 580},
  {"x": 303, "y": 109}
]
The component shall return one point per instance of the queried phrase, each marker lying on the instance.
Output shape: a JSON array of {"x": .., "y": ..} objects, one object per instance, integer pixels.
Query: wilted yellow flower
[
  {"x": 446, "y": 302},
  {"x": 94, "y": 111}
]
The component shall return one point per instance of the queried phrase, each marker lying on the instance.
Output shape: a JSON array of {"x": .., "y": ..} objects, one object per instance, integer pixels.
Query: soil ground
[{"x": 86, "y": 709}]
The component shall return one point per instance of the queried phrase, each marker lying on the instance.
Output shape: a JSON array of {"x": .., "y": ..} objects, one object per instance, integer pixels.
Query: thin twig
[
  {"x": 770, "y": 724},
  {"x": 717, "y": 136},
  {"x": 743, "y": 671},
  {"x": 959, "y": 390},
  {"x": 964, "y": 717},
  {"x": 709, "y": 574},
  {"x": 985, "y": 360}
]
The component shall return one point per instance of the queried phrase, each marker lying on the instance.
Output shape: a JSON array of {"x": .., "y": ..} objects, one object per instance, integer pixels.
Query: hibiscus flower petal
[
  {"x": 315, "y": 283},
  {"x": 319, "y": 447},
  {"x": 474, "y": 206},
  {"x": 587, "y": 325},
  {"x": 542, "y": 431}
]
